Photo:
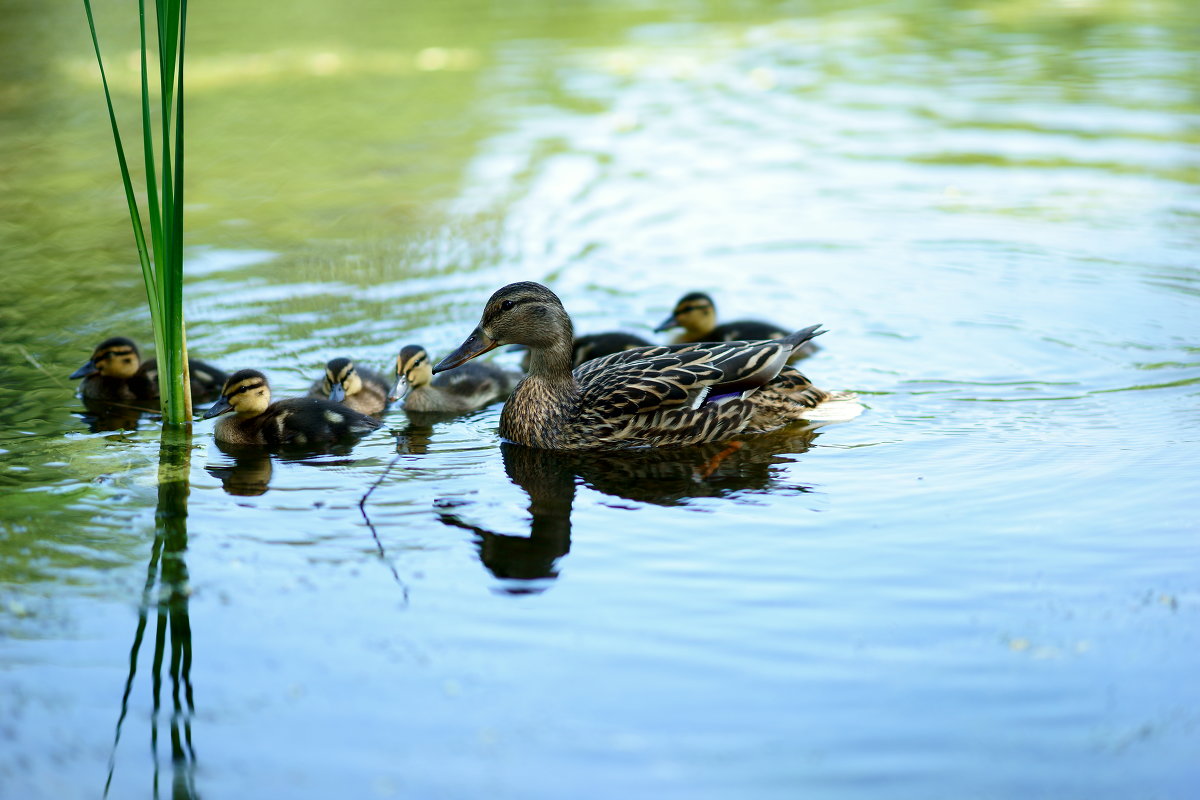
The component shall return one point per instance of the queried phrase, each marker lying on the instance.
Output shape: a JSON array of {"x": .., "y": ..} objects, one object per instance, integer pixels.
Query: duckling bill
[
  {"x": 116, "y": 373},
  {"x": 295, "y": 422}
]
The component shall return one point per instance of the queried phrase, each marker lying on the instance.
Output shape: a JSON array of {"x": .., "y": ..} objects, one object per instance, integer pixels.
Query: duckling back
[
  {"x": 297, "y": 422},
  {"x": 206, "y": 380},
  {"x": 303, "y": 421},
  {"x": 466, "y": 388}
]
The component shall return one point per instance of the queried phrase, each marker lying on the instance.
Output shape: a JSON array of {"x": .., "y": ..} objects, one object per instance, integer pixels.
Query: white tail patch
[{"x": 840, "y": 407}]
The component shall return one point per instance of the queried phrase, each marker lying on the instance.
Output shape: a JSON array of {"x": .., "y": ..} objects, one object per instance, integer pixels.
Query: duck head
[
  {"x": 246, "y": 393},
  {"x": 413, "y": 371},
  {"x": 695, "y": 313},
  {"x": 341, "y": 380},
  {"x": 521, "y": 313},
  {"x": 117, "y": 357}
]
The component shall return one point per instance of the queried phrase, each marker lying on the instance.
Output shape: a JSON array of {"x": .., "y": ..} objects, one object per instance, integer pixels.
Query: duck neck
[{"x": 552, "y": 364}]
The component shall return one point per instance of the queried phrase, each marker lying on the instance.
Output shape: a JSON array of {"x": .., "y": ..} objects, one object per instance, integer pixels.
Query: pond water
[{"x": 986, "y": 586}]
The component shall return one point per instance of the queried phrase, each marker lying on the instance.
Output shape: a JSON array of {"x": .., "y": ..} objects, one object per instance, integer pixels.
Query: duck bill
[
  {"x": 400, "y": 389},
  {"x": 667, "y": 324},
  {"x": 337, "y": 393},
  {"x": 87, "y": 369},
  {"x": 218, "y": 408},
  {"x": 476, "y": 344}
]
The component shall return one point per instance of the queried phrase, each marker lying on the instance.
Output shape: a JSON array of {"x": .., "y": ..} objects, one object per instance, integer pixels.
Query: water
[{"x": 983, "y": 587}]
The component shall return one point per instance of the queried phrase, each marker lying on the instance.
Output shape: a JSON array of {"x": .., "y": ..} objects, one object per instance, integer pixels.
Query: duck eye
[{"x": 506, "y": 305}]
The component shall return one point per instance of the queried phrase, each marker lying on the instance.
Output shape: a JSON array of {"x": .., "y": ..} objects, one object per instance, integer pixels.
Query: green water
[{"x": 986, "y": 586}]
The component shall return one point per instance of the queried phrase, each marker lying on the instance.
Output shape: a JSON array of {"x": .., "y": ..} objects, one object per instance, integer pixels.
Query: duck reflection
[
  {"x": 249, "y": 472},
  {"x": 102, "y": 415},
  {"x": 667, "y": 477}
]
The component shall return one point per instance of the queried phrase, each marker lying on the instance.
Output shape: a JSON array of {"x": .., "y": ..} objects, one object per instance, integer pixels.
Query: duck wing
[
  {"x": 678, "y": 394},
  {"x": 742, "y": 366}
]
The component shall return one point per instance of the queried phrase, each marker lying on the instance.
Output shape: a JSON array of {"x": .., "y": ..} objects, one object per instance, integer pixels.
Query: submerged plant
[{"x": 162, "y": 261}]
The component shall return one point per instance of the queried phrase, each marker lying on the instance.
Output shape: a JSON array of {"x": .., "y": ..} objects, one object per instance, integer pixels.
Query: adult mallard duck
[
  {"x": 696, "y": 314},
  {"x": 354, "y": 387},
  {"x": 296, "y": 422},
  {"x": 457, "y": 391},
  {"x": 669, "y": 395},
  {"x": 116, "y": 373}
]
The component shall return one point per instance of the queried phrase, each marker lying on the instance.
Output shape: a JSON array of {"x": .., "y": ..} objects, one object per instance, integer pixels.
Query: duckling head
[
  {"x": 695, "y": 313},
  {"x": 341, "y": 380},
  {"x": 521, "y": 313},
  {"x": 246, "y": 393},
  {"x": 117, "y": 357},
  {"x": 413, "y": 371}
]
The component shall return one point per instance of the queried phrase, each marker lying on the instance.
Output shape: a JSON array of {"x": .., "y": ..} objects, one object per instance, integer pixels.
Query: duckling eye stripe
[
  {"x": 111, "y": 353},
  {"x": 686, "y": 309},
  {"x": 244, "y": 388}
]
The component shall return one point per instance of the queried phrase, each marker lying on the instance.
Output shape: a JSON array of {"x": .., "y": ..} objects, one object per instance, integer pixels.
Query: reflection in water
[
  {"x": 248, "y": 475},
  {"x": 659, "y": 476},
  {"x": 415, "y": 438},
  {"x": 101, "y": 415},
  {"x": 167, "y": 573}
]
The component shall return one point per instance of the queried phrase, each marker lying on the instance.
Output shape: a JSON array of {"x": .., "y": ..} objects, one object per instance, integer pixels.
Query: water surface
[{"x": 985, "y": 586}]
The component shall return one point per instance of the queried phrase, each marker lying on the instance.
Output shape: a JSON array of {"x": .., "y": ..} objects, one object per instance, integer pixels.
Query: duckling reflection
[
  {"x": 665, "y": 477},
  {"x": 414, "y": 439},
  {"x": 248, "y": 474},
  {"x": 101, "y": 415}
]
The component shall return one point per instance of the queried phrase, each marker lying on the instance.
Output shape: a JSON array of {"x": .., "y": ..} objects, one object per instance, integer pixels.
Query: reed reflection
[
  {"x": 665, "y": 477},
  {"x": 166, "y": 596}
]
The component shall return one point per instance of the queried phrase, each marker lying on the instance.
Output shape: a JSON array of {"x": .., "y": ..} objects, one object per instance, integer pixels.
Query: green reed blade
[
  {"x": 148, "y": 143},
  {"x": 163, "y": 276}
]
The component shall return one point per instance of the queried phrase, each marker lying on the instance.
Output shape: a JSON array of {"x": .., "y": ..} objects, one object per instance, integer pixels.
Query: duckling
[
  {"x": 298, "y": 421},
  {"x": 597, "y": 345},
  {"x": 697, "y": 315},
  {"x": 354, "y": 387},
  {"x": 116, "y": 373},
  {"x": 672, "y": 395},
  {"x": 464, "y": 389}
]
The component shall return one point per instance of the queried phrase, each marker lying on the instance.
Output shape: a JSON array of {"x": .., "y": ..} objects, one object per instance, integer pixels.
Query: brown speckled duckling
[
  {"x": 354, "y": 387},
  {"x": 116, "y": 373},
  {"x": 296, "y": 422}
]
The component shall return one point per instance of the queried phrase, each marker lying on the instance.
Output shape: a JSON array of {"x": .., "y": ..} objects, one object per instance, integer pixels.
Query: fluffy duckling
[
  {"x": 467, "y": 388},
  {"x": 354, "y": 387},
  {"x": 116, "y": 373},
  {"x": 297, "y": 422},
  {"x": 674, "y": 395},
  {"x": 697, "y": 315}
]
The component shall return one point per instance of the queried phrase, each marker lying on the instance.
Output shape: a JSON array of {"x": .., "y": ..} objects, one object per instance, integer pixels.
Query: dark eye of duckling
[{"x": 506, "y": 305}]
